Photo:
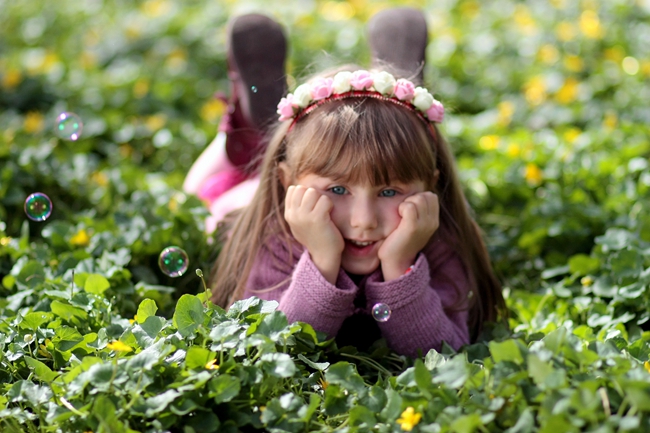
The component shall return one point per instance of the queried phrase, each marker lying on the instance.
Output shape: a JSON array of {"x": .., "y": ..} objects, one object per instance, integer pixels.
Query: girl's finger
[
  {"x": 309, "y": 199},
  {"x": 323, "y": 205},
  {"x": 298, "y": 193},
  {"x": 408, "y": 211}
]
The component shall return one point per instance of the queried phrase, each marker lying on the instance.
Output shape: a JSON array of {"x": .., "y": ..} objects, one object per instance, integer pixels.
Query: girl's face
[{"x": 364, "y": 214}]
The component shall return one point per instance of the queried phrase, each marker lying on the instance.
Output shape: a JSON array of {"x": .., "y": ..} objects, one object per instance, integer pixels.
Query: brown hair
[{"x": 353, "y": 140}]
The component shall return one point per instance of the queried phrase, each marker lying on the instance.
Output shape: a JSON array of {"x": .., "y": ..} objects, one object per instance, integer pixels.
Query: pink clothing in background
[{"x": 420, "y": 300}]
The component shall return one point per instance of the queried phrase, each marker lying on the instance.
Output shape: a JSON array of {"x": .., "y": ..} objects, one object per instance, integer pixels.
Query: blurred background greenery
[{"x": 547, "y": 113}]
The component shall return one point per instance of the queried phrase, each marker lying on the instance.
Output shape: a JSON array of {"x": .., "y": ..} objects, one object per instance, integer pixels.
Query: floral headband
[{"x": 345, "y": 84}]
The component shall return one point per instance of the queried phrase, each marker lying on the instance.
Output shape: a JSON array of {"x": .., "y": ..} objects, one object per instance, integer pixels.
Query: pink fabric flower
[
  {"x": 361, "y": 80},
  {"x": 286, "y": 107},
  {"x": 404, "y": 90},
  {"x": 322, "y": 88},
  {"x": 437, "y": 112}
]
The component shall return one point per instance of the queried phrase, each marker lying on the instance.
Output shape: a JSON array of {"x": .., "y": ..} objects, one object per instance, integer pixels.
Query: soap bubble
[
  {"x": 173, "y": 261},
  {"x": 69, "y": 126},
  {"x": 38, "y": 206},
  {"x": 381, "y": 312}
]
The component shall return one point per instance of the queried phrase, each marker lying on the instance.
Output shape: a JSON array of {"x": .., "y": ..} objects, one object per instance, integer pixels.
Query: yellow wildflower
[
  {"x": 513, "y": 150},
  {"x": 409, "y": 419},
  {"x": 558, "y": 4},
  {"x": 590, "y": 25},
  {"x": 11, "y": 78},
  {"x": 470, "y": 9},
  {"x": 155, "y": 8},
  {"x": 173, "y": 204},
  {"x": 99, "y": 178},
  {"x": 586, "y": 281},
  {"x": 565, "y": 31},
  {"x": 33, "y": 122},
  {"x": 615, "y": 54},
  {"x": 118, "y": 346},
  {"x": 176, "y": 60},
  {"x": 337, "y": 11},
  {"x": 572, "y": 134},
  {"x": 5, "y": 241},
  {"x": 323, "y": 383},
  {"x": 533, "y": 174},
  {"x": 155, "y": 122},
  {"x": 489, "y": 142},
  {"x": 548, "y": 54},
  {"x": 646, "y": 365},
  {"x": 141, "y": 88},
  {"x": 611, "y": 120},
  {"x": 81, "y": 239},
  {"x": 506, "y": 110},
  {"x": 568, "y": 92},
  {"x": 212, "y": 365},
  {"x": 574, "y": 63},
  {"x": 535, "y": 90},
  {"x": 212, "y": 110},
  {"x": 133, "y": 30},
  {"x": 524, "y": 20}
]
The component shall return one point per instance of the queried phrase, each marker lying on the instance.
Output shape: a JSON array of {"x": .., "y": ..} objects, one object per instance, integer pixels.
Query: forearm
[
  {"x": 419, "y": 319},
  {"x": 311, "y": 298}
]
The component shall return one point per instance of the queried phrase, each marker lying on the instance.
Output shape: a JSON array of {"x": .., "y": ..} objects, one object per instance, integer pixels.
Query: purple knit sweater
[{"x": 420, "y": 300}]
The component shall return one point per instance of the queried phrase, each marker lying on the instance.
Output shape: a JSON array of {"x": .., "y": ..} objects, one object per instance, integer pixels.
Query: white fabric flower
[
  {"x": 422, "y": 99},
  {"x": 302, "y": 95},
  {"x": 384, "y": 83},
  {"x": 342, "y": 82}
]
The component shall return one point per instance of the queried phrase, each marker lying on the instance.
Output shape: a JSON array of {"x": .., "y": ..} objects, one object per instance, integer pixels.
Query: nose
[{"x": 363, "y": 215}]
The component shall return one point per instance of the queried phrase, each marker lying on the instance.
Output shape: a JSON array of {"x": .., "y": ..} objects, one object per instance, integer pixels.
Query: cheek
[
  {"x": 391, "y": 215},
  {"x": 338, "y": 214}
]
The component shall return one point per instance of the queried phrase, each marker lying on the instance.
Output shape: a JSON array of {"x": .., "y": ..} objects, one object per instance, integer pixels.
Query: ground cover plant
[{"x": 548, "y": 117}]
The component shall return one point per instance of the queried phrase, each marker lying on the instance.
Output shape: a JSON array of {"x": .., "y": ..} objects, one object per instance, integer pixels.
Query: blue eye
[
  {"x": 388, "y": 193},
  {"x": 338, "y": 190}
]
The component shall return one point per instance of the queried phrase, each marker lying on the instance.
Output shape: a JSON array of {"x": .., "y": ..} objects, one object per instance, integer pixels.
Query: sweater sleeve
[
  {"x": 303, "y": 293},
  {"x": 420, "y": 301}
]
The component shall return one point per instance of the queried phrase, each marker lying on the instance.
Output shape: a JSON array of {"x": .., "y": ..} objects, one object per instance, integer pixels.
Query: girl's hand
[
  {"x": 420, "y": 220},
  {"x": 308, "y": 214}
]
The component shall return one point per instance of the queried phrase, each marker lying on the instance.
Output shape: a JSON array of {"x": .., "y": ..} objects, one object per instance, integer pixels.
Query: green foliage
[{"x": 547, "y": 115}]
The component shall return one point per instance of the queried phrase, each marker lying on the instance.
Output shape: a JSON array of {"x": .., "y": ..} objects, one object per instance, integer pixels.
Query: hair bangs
[{"x": 363, "y": 140}]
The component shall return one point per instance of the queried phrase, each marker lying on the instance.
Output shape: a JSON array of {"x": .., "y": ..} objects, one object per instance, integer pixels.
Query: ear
[
  {"x": 285, "y": 174},
  {"x": 436, "y": 176}
]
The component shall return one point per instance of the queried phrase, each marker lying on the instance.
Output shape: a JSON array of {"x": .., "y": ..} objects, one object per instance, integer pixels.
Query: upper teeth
[{"x": 361, "y": 244}]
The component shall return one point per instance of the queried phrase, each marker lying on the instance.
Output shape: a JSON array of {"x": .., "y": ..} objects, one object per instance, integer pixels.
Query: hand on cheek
[
  {"x": 307, "y": 213},
  {"x": 420, "y": 218}
]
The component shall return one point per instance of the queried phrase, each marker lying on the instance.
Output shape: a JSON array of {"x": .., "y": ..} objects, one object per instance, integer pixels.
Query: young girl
[{"x": 359, "y": 206}]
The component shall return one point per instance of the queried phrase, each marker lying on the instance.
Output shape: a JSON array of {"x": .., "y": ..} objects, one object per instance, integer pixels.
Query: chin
[{"x": 357, "y": 268}]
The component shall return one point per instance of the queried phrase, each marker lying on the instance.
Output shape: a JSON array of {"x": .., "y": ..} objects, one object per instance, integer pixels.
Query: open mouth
[
  {"x": 359, "y": 247},
  {"x": 360, "y": 243}
]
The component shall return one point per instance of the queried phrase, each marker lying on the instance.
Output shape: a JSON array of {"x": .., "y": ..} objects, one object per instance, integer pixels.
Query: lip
[{"x": 358, "y": 250}]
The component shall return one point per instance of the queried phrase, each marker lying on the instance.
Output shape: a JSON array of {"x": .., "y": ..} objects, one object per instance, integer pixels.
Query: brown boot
[
  {"x": 398, "y": 39},
  {"x": 256, "y": 56}
]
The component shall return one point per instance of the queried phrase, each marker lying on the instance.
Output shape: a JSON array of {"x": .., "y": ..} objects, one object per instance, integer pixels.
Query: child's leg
[
  {"x": 398, "y": 39},
  {"x": 256, "y": 55}
]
